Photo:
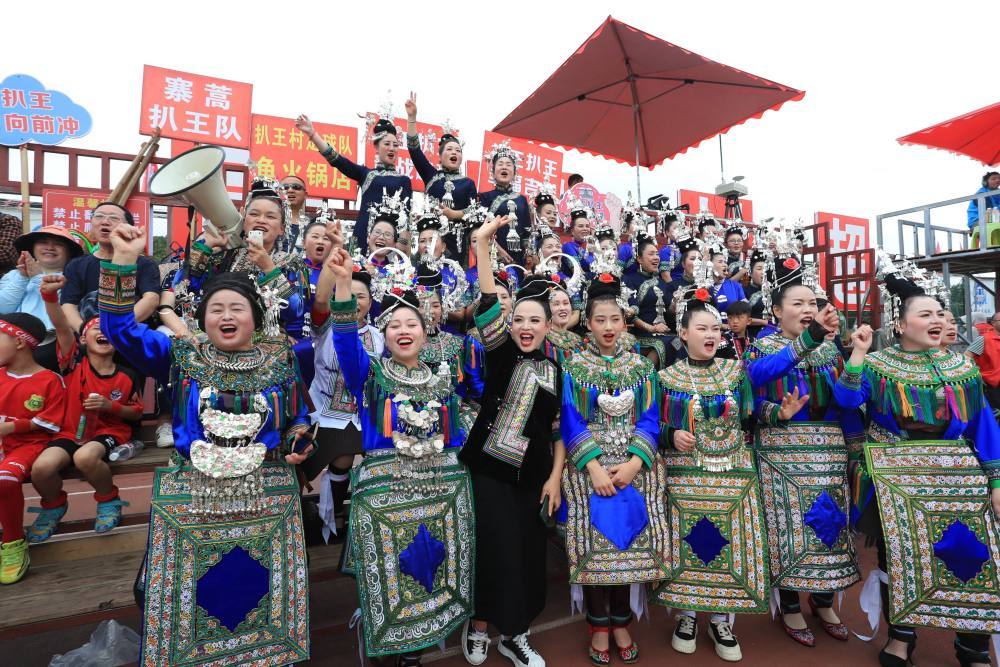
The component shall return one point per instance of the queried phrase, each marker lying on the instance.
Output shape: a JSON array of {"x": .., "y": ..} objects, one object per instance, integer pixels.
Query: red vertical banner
[
  {"x": 536, "y": 164},
  {"x": 428, "y": 134},
  {"x": 845, "y": 234},
  {"x": 279, "y": 149},
  {"x": 194, "y": 107},
  {"x": 714, "y": 204},
  {"x": 72, "y": 209}
]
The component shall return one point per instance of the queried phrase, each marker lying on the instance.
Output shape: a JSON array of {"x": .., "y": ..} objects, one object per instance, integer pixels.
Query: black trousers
[
  {"x": 608, "y": 606},
  {"x": 789, "y": 600}
]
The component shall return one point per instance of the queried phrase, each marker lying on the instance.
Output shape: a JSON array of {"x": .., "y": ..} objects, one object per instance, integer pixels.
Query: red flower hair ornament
[
  {"x": 791, "y": 263},
  {"x": 702, "y": 294},
  {"x": 606, "y": 278}
]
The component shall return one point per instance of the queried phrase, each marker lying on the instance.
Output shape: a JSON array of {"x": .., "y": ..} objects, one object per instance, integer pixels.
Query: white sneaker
[
  {"x": 165, "y": 435},
  {"x": 475, "y": 643},
  {"x": 520, "y": 653},
  {"x": 685, "y": 637},
  {"x": 726, "y": 645}
]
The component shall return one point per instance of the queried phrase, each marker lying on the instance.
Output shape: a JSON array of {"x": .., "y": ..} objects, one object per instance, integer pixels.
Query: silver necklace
[
  {"x": 213, "y": 356},
  {"x": 397, "y": 372}
]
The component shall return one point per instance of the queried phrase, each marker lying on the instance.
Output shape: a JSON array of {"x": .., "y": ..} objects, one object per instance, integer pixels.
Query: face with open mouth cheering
[
  {"x": 702, "y": 335},
  {"x": 383, "y": 236},
  {"x": 95, "y": 341},
  {"x": 796, "y": 310},
  {"x": 530, "y": 325},
  {"x": 405, "y": 335},
  {"x": 317, "y": 244},
  {"x": 503, "y": 171},
  {"x": 264, "y": 215},
  {"x": 387, "y": 147},
  {"x": 921, "y": 323},
  {"x": 229, "y": 321},
  {"x": 451, "y": 156}
]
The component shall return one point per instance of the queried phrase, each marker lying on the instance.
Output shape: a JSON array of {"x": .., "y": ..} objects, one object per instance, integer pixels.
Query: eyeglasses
[
  {"x": 293, "y": 186},
  {"x": 101, "y": 217},
  {"x": 382, "y": 235}
]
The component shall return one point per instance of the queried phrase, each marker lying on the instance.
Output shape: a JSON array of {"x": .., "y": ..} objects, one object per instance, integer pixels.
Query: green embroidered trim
[
  {"x": 584, "y": 452},
  {"x": 116, "y": 287},
  {"x": 641, "y": 448},
  {"x": 492, "y": 327},
  {"x": 265, "y": 278},
  {"x": 344, "y": 312}
]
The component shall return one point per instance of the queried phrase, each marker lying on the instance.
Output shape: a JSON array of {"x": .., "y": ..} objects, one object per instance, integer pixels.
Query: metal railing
[{"x": 924, "y": 230}]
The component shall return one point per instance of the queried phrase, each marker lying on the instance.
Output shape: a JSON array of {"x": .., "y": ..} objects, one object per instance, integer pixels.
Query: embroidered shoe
[
  {"x": 165, "y": 435},
  {"x": 109, "y": 515},
  {"x": 685, "y": 635},
  {"x": 475, "y": 644},
  {"x": 45, "y": 523},
  {"x": 516, "y": 648},
  {"x": 13, "y": 561},
  {"x": 726, "y": 645}
]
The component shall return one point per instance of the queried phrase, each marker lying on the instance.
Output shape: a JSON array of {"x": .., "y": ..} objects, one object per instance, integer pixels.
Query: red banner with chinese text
[
  {"x": 193, "y": 107},
  {"x": 428, "y": 134},
  {"x": 535, "y": 165},
  {"x": 71, "y": 209},
  {"x": 716, "y": 205},
  {"x": 844, "y": 233},
  {"x": 279, "y": 149}
]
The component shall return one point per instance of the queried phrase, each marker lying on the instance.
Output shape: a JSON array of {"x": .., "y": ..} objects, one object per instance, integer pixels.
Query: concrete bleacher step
[{"x": 92, "y": 578}]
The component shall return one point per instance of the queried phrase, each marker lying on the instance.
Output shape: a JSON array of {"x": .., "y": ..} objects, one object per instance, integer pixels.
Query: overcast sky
[{"x": 872, "y": 71}]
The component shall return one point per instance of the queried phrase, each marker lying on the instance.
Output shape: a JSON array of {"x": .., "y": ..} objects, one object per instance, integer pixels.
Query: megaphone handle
[{"x": 189, "y": 241}]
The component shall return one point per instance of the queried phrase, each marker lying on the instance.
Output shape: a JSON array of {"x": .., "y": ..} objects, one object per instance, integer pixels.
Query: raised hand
[
  {"x": 862, "y": 338},
  {"x": 335, "y": 234},
  {"x": 27, "y": 266},
  {"x": 128, "y": 242},
  {"x": 340, "y": 263},
  {"x": 829, "y": 319},
  {"x": 52, "y": 282},
  {"x": 213, "y": 239},
  {"x": 260, "y": 257},
  {"x": 791, "y": 404},
  {"x": 305, "y": 125},
  {"x": 490, "y": 227},
  {"x": 411, "y": 107}
]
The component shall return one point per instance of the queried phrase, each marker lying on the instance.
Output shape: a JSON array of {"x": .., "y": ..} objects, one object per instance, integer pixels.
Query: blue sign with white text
[{"x": 31, "y": 113}]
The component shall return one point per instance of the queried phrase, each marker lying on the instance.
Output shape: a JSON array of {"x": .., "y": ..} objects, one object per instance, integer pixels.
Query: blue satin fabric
[
  {"x": 422, "y": 558},
  {"x": 826, "y": 519},
  {"x": 961, "y": 551},
  {"x": 620, "y": 517}
]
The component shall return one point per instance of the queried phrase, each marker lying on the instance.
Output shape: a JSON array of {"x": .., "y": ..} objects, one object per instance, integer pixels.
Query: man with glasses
[
  {"x": 295, "y": 191},
  {"x": 79, "y": 296}
]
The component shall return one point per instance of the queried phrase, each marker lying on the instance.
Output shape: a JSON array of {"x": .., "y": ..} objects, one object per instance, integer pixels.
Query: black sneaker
[
  {"x": 726, "y": 645},
  {"x": 520, "y": 653},
  {"x": 475, "y": 643},
  {"x": 685, "y": 635}
]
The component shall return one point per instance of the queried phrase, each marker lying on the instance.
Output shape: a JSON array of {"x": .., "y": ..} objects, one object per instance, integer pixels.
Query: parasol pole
[
  {"x": 25, "y": 191},
  {"x": 635, "y": 124}
]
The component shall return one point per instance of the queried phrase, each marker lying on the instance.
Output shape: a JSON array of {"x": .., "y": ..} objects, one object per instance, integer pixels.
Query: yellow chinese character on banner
[
  {"x": 265, "y": 167},
  {"x": 291, "y": 169},
  {"x": 317, "y": 174},
  {"x": 79, "y": 202},
  {"x": 260, "y": 134},
  {"x": 340, "y": 182},
  {"x": 344, "y": 146},
  {"x": 279, "y": 137},
  {"x": 295, "y": 138},
  {"x": 92, "y": 202}
]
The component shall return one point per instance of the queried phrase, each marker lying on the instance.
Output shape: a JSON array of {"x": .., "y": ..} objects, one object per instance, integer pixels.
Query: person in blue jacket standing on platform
[
  {"x": 991, "y": 181},
  {"x": 373, "y": 183}
]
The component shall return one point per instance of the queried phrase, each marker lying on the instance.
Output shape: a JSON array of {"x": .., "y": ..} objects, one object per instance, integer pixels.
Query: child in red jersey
[
  {"x": 32, "y": 402},
  {"x": 102, "y": 400}
]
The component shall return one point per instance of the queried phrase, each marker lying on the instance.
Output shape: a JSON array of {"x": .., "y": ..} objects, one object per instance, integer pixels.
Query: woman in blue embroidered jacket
[
  {"x": 914, "y": 391},
  {"x": 614, "y": 486},
  {"x": 461, "y": 192},
  {"x": 237, "y": 401},
  {"x": 652, "y": 297},
  {"x": 516, "y": 459},
  {"x": 411, "y": 508},
  {"x": 373, "y": 183},
  {"x": 809, "y": 547}
]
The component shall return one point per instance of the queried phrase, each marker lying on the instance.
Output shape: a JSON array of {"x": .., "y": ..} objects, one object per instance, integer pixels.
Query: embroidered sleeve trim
[
  {"x": 344, "y": 312},
  {"x": 642, "y": 448},
  {"x": 116, "y": 288}
]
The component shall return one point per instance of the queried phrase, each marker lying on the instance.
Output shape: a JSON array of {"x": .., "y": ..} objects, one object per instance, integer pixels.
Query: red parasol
[
  {"x": 975, "y": 135},
  {"x": 632, "y": 97}
]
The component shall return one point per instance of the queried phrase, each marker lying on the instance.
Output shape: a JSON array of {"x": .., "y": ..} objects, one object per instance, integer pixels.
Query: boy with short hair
[
  {"x": 32, "y": 402},
  {"x": 738, "y": 320},
  {"x": 103, "y": 399}
]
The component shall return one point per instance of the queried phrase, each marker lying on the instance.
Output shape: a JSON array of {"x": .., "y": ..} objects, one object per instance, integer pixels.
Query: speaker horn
[{"x": 195, "y": 178}]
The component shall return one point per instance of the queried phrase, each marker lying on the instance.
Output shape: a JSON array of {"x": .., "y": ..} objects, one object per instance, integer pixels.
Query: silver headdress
[
  {"x": 396, "y": 278},
  {"x": 500, "y": 150},
  {"x": 901, "y": 279},
  {"x": 376, "y": 124},
  {"x": 391, "y": 208},
  {"x": 550, "y": 266},
  {"x": 779, "y": 243}
]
